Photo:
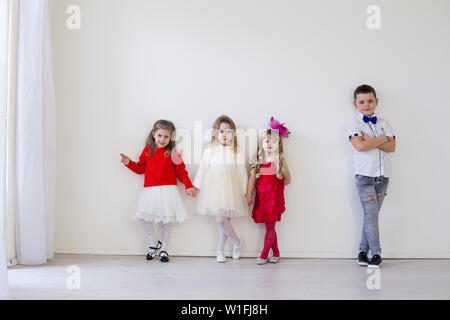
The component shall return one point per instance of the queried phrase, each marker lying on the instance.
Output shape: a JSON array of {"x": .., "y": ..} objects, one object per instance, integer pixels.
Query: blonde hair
[
  {"x": 151, "y": 143},
  {"x": 216, "y": 125},
  {"x": 260, "y": 156}
]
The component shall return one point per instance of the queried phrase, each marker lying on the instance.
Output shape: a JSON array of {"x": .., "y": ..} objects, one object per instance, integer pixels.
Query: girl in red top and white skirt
[
  {"x": 269, "y": 176},
  {"x": 160, "y": 200}
]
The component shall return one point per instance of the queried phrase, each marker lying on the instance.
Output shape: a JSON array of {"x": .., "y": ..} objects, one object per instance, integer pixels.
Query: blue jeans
[{"x": 372, "y": 191}]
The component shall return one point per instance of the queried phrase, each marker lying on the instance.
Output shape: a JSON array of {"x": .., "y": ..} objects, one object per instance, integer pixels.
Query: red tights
[{"x": 270, "y": 241}]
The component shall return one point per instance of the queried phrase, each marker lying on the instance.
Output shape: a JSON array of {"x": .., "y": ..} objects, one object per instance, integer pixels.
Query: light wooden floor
[{"x": 132, "y": 277}]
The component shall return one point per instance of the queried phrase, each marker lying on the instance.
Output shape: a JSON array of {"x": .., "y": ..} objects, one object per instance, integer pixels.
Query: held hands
[
  {"x": 125, "y": 159},
  {"x": 192, "y": 192}
]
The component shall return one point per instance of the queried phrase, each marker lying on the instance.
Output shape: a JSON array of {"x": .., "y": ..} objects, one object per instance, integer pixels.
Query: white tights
[
  {"x": 226, "y": 231},
  {"x": 151, "y": 234}
]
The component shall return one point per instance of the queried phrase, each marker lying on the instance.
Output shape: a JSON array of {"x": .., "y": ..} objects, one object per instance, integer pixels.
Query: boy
[{"x": 373, "y": 142}]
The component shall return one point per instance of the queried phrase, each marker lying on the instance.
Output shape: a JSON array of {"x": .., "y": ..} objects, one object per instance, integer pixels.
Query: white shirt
[
  {"x": 222, "y": 158},
  {"x": 375, "y": 162}
]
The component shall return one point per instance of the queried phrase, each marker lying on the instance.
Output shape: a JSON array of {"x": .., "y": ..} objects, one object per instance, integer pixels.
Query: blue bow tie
[{"x": 367, "y": 119}]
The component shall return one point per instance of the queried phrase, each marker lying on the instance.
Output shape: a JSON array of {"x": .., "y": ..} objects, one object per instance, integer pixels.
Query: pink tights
[{"x": 270, "y": 241}]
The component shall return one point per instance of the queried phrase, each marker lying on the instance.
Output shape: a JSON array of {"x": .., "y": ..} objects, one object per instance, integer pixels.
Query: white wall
[{"x": 136, "y": 61}]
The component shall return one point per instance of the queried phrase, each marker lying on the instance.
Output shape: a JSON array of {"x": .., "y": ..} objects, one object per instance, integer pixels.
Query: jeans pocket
[{"x": 363, "y": 179}]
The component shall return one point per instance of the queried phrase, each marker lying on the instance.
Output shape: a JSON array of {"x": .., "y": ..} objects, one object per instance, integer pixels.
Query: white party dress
[{"x": 222, "y": 180}]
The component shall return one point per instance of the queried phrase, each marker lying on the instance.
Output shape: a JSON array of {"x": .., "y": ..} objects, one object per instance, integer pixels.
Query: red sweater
[{"x": 160, "y": 170}]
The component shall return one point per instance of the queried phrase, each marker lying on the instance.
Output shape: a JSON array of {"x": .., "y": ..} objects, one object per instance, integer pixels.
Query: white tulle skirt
[
  {"x": 221, "y": 194},
  {"x": 161, "y": 204}
]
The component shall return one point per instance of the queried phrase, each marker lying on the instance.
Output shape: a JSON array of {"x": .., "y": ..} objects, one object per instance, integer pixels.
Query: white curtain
[
  {"x": 3, "y": 270},
  {"x": 3, "y": 104},
  {"x": 36, "y": 134},
  {"x": 31, "y": 135}
]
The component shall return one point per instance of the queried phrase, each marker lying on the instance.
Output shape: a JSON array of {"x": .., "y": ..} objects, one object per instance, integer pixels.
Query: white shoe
[
  {"x": 274, "y": 259},
  {"x": 237, "y": 250},
  {"x": 261, "y": 261},
  {"x": 221, "y": 257}
]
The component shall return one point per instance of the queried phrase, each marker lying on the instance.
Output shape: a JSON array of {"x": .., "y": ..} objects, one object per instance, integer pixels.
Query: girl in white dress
[{"x": 222, "y": 180}]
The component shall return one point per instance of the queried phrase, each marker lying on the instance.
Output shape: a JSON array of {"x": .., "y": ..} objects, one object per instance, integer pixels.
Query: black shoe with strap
[
  {"x": 163, "y": 256},
  {"x": 154, "y": 251}
]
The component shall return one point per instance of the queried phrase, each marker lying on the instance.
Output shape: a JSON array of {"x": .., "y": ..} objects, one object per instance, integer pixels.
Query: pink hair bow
[{"x": 276, "y": 125}]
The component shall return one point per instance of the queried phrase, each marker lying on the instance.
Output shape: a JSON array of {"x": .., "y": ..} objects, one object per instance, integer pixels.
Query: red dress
[{"x": 269, "y": 202}]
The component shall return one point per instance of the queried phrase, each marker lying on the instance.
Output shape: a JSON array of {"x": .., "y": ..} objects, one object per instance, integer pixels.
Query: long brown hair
[
  {"x": 216, "y": 125},
  {"x": 260, "y": 156},
  {"x": 151, "y": 143}
]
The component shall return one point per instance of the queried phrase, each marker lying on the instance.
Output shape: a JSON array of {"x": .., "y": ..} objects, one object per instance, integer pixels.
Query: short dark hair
[{"x": 364, "y": 89}]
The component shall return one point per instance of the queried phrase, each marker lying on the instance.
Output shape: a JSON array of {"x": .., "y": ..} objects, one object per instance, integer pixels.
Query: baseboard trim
[{"x": 254, "y": 254}]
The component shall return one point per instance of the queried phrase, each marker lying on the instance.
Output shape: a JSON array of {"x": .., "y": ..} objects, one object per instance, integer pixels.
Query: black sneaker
[
  {"x": 362, "y": 259},
  {"x": 375, "y": 262}
]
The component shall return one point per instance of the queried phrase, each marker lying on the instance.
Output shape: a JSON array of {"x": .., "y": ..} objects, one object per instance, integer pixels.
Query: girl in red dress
[{"x": 269, "y": 175}]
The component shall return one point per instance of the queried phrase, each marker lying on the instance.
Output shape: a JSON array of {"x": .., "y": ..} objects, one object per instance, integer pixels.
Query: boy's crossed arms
[{"x": 366, "y": 143}]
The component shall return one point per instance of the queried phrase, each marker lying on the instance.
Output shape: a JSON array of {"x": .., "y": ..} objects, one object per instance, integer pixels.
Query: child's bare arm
[
  {"x": 388, "y": 146},
  {"x": 287, "y": 173},
  {"x": 366, "y": 142},
  {"x": 250, "y": 187}
]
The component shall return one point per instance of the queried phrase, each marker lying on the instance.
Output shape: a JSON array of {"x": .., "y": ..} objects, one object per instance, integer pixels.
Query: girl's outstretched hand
[
  {"x": 125, "y": 159},
  {"x": 192, "y": 192}
]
